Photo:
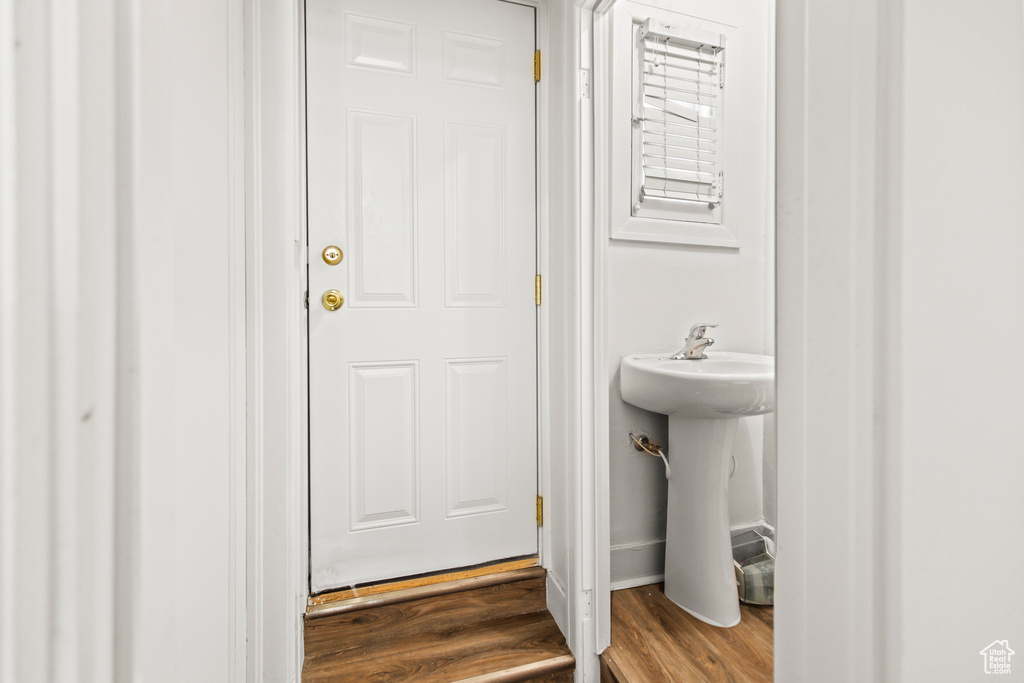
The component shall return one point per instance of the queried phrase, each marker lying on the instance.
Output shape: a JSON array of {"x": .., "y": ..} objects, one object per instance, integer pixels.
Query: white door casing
[{"x": 423, "y": 389}]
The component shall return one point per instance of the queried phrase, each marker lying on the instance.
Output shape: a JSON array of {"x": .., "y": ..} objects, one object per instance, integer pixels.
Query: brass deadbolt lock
[
  {"x": 332, "y": 299},
  {"x": 332, "y": 255}
]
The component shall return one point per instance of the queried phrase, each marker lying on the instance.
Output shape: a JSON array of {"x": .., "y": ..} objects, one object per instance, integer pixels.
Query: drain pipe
[{"x": 643, "y": 444}]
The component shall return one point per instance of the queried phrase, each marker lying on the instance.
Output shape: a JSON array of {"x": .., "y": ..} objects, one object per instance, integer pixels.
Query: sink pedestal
[
  {"x": 699, "y": 575},
  {"x": 705, "y": 400}
]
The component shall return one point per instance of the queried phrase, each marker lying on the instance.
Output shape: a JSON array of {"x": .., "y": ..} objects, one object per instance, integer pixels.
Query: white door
[{"x": 423, "y": 389}]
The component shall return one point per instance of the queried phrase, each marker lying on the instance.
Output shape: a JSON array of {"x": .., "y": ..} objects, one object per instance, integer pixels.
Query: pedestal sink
[{"x": 704, "y": 400}]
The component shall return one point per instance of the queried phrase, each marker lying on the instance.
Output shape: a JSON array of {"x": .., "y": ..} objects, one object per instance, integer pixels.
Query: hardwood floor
[
  {"x": 654, "y": 641},
  {"x": 498, "y": 633}
]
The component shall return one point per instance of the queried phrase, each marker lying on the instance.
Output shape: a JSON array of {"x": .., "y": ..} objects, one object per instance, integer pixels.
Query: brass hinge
[
  {"x": 536, "y": 66},
  {"x": 536, "y": 289},
  {"x": 540, "y": 511}
]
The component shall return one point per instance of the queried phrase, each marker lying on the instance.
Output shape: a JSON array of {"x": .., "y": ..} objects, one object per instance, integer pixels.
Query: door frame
[{"x": 277, "y": 524}]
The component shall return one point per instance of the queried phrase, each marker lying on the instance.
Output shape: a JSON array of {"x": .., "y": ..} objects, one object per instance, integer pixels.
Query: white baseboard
[
  {"x": 558, "y": 603},
  {"x": 637, "y": 564},
  {"x": 643, "y": 563},
  {"x": 762, "y": 522},
  {"x": 637, "y": 581}
]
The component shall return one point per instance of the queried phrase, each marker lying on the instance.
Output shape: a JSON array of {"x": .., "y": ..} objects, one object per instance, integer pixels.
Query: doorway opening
[{"x": 684, "y": 181}]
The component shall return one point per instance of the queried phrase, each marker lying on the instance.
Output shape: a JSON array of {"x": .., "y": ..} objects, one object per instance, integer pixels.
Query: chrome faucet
[{"x": 696, "y": 343}]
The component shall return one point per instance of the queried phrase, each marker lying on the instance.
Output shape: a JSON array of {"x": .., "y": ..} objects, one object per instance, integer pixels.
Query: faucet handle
[{"x": 697, "y": 331}]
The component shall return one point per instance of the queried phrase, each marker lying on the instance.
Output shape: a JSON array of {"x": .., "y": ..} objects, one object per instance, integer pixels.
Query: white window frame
[{"x": 618, "y": 98}]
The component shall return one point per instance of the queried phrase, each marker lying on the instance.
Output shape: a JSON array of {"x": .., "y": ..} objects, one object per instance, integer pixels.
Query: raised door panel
[
  {"x": 474, "y": 214},
  {"x": 380, "y": 45},
  {"x": 382, "y": 209},
  {"x": 473, "y": 60},
  {"x": 383, "y": 445},
  {"x": 477, "y": 436}
]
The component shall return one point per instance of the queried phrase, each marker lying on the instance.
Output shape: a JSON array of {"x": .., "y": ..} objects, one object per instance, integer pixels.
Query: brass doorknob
[
  {"x": 332, "y": 299},
  {"x": 332, "y": 255}
]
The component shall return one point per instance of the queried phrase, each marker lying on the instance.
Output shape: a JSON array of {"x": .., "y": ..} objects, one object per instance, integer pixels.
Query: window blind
[{"x": 677, "y": 116}]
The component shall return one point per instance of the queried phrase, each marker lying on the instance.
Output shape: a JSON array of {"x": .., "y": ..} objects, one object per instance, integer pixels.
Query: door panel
[
  {"x": 381, "y": 157},
  {"x": 423, "y": 394}
]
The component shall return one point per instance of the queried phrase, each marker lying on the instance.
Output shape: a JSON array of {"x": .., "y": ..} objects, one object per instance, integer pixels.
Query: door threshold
[{"x": 415, "y": 587}]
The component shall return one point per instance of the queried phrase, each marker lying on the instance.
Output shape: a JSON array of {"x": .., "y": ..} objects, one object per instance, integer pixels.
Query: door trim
[
  {"x": 840, "y": 99},
  {"x": 277, "y": 557},
  {"x": 277, "y": 351}
]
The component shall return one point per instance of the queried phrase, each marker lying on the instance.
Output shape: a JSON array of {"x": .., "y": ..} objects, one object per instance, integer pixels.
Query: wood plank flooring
[
  {"x": 499, "y": 633},
  {"x": 653, "y": 641}
]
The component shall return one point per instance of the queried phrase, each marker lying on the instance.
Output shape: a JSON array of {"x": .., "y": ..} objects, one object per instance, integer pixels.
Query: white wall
[
  {"x": 122, "y": 344},
  {"x": 961, "y": 476},
  {"x": 187, "y": 298},
  {"x": 654, "y": 292},
  {"x": 900, "y": 473},
  {"x": 58, "y": 404}
]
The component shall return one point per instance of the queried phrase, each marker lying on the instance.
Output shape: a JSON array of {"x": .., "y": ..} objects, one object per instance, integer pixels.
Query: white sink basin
[
  {"x": 723, "y": 385},
  {"x": 704, "y": 400}
]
